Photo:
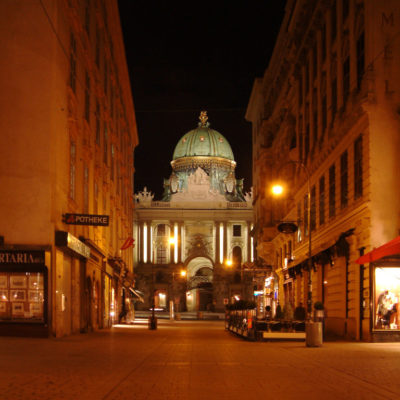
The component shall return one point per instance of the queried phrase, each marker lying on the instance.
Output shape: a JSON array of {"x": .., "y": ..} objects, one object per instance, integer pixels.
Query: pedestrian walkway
[{"x": 196, "y": 360}]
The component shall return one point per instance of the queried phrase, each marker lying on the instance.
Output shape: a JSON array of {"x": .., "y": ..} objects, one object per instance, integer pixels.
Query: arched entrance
[{"x": 199, "y": 296}]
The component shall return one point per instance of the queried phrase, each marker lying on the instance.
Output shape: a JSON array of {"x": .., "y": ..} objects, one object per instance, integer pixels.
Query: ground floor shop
[{"x": 57, "y": 290}]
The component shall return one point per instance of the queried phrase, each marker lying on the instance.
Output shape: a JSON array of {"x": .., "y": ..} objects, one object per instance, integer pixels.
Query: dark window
[
  {"x": 105, "y": 145},
  {"x": 97, "y": 56},
  {"x": 315, "y": 61},
  {"x": 346, "y": 79},
  {"x": 322, "y": 200},
  {"x": 161, "y": 230},
  {"x": 358, "y": 175},
  {"x": 105, "y": 76},
  {"x": 332, "y": 191},
  {"x": 323, "y": 44},
  {"x": 85, "y": 189},
  {"x": 346, "y": 8},
  {"x": 306, "y": 80},
  {"x": 360, "y": 59},
  {"x": 237, "y": 230},
  {"x": 87, "y": 98},
  {"x": 324, "y": 113},
  {"x": 87, "y": 17},
  {"x": 72, "y": 64},
  {"x": 344, "y": 172},
  {"x": 301, "y": 137},
  {"x": 313, "y": 209},
  {"x": 307, "y": 142},
  {"x": 98, "y": 125},
  {"x": 333, "y": 21},
  {"x": 300, "y": 90},
  {"x": 334, "y": 98},
  {"x": 305, "y": 214}
]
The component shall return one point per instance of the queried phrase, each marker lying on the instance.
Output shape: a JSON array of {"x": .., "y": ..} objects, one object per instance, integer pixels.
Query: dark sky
[{"x": 184, "y": 57}]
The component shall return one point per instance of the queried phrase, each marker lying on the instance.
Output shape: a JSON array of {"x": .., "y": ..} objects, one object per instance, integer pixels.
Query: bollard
[
  {"x": 313, "y": 334},
  {"x": 152, "y": 323}
]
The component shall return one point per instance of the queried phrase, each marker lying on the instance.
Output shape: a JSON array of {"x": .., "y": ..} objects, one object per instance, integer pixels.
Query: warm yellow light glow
[
  {"x": 228, "y": 263},
  {"x": 277, "y": 190},
  {"x": 183, "y": 273},
  {"x": 172, "y": 240}
]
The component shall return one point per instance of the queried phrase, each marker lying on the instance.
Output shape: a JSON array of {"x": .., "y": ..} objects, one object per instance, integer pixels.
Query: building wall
[
  {"x": 330, "y": 84},
  {"x": 68, "y": 133}
]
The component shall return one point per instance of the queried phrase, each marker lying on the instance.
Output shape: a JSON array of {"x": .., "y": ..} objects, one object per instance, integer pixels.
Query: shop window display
[
  {"x": 22, "y": 296},
  {"x": 387, "y": 294}
]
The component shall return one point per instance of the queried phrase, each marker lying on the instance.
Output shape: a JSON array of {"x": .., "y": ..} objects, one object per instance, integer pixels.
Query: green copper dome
[{"x": 204, "y": 142}]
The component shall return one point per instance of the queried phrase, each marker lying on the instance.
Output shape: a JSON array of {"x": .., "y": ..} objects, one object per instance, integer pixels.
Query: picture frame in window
[
  {"x": 18, "y": 281},
  {"x": 17, "y": 295},
  {"x": 35, "y": 296},
  {"x": 3, "y": 281},
  {"x": 4, "y": 296},
  {"x": 17, "y": 309},
  {"x": 36, "y": 281}
]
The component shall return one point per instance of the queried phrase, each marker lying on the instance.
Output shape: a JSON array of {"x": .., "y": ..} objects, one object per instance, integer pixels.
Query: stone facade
[
  {"x": 68, "y": 133},
  {"x": 325, "y": 119}
]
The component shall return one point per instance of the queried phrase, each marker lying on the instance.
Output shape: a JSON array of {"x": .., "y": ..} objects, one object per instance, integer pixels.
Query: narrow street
[{"x": 193, "y": 360}]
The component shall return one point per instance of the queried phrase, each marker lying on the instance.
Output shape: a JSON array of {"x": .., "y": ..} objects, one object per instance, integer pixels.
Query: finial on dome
[{"x": 203, "y": 118}]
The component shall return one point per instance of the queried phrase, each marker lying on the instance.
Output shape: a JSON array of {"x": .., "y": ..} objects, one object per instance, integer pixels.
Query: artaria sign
[
  {"x": 86, "y": 219},
  {"x": 21, "y": 257}
]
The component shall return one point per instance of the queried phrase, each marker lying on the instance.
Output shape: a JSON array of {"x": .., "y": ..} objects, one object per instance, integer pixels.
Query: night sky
[{"x": 184, "y": 57}]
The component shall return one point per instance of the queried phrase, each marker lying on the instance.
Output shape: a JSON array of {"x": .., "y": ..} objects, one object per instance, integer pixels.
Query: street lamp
[{"x": 278, "y": 190}]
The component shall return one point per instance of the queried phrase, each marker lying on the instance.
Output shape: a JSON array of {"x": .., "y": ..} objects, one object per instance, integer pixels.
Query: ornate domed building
[{"x": 200, "y": 228}]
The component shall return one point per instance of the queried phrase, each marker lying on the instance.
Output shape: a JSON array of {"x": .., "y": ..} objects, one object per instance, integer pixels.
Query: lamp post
[{"x": 278, "y": 190}]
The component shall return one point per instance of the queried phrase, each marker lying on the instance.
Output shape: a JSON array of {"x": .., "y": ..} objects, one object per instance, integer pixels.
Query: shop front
[
  {"x": 384, "y": 272},
  {"x": 24, "y": 294}
]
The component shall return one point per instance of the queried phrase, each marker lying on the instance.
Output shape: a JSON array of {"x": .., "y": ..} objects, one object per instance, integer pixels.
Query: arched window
[{"x": 161, "y": 255}]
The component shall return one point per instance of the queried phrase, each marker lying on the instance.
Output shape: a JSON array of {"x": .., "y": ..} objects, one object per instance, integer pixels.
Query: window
[
  {"x": 97, "y": 56},
  {"x": 72, "y": 64},
  {"x": 334, "y": 98},
  {"x": 237, "y": 230},
  {"x": 333, "y": 21},
  {"x": 346, "y": 9},
  {"x": 305, "y": 214},
  {"x": 358, "y": 173},
  {"x": 86, "y": 189},
  {"x": 105, "y": 145},
  {"x": 324, "y": 114},
  {"x": 344, "y": 180},
  {"x": 112, "y": 161},
  {"x": 95, "y": 198},
  {"x": 87, "y": 17},
  {"x": 332, "y": 191},
  {"x": 323, "y": 44},
  {"x": 322, "y": 200},
  {"x": 360, "y": 59},
  {"x": 346, "y": 79},
  {"x": 87, "y": 97},
  {"x": 98, "y": 124},
  {"x": 161, "y": 230},
  {"x": 299, "y": 231},
  {"x": 307, "y": 142},
  {"x": 386, "y": 297},
  {"x": 72, "y": 169},
  {"x": 301, "y": 137},
  {"x": 161, "y": 255},
  {"x": 313, "y": 215},
  {"x": 105, "y": 76}
]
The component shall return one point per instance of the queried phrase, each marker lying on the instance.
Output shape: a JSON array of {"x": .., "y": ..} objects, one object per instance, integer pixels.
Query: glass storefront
[
  {"x": 386, "y": 296},
  {"x": 22, "y": 296}
]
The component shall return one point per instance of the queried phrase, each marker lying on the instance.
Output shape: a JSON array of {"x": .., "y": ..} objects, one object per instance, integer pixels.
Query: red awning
[{"x": 387, "y": 249}]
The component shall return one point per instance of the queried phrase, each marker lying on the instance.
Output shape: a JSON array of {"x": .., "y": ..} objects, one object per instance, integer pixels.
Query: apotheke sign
[{"x": 86, "y": 219}]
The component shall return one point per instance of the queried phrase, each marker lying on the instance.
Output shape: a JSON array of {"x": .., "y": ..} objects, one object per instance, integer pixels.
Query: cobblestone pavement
[{"x": 193, "y": 360}]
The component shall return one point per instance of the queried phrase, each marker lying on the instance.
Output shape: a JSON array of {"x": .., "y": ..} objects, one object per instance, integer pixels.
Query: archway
[{"x": 199, "y": 296}]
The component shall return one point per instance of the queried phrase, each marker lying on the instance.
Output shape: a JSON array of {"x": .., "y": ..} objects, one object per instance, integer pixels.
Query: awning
[
  {"x": 136, "y": 294},
  {"x": 388, "y": 249}
]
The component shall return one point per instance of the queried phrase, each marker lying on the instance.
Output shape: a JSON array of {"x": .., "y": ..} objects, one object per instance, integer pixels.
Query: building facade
[
  {"x": 325, "y": 121},
  {"x": 209, "y": 218},
  {"x": 68, "y": 132}
]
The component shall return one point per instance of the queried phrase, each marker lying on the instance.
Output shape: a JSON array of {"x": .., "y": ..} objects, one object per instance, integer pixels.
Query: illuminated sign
[
  {"x": 21, "y": 257},
  {"x": 65, "y": 239},
  {"x": 86, "y": 219},
  {"x": 258, "y": 292}
]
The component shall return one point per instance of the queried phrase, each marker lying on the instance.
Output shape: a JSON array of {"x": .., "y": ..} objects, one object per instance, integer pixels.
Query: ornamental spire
[{"x": 203, "y": 118}]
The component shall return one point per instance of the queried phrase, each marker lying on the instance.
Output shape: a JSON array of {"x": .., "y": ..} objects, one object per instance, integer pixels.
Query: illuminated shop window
[
  {"x": 22, "y": 296},
  {"x": 387, "y": 294}
]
